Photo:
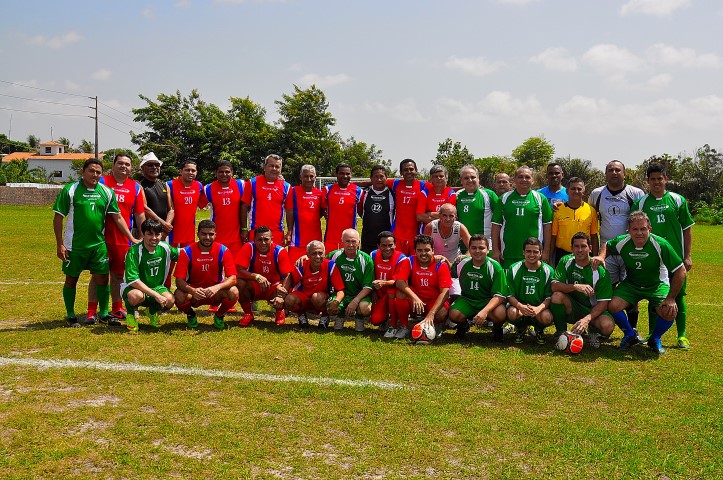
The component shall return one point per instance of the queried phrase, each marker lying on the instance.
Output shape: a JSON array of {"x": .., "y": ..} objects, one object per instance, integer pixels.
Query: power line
[
  {"x": 124, "y": 123},
  {"x": 45, "y": 89},
  {"x": 45, "y": 113},
  {"x": 111, "y": 126},
  {"x": 45, "y": 101},
  {"x": 122, "y": 113}
]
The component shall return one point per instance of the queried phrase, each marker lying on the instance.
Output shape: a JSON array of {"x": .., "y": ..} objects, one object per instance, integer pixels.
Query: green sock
[
  {"x": 69, "y": 300},
  {"x": 103, "y": 293},
  {"x": 681, "y": 319},
  {"x": 559, "y": 316},
  {"x": 520, "y": 324}
]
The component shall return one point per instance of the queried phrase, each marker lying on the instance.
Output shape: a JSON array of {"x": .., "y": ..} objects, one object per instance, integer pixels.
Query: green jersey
[
  {"x": 531, "y": 287},
  {"x": 480, "y": 283},
  {"x": 151, "y": 268},
  {"x": 644, "y": 265},
  {"x": 474, "y": 210},
  {"x": 84, "y": 210},
  {"x": 357, "y": 272},
  {"x": 521, "y": 217},
  {"x": 669, "y": 216},
  {"x": 569, "y": 272}
]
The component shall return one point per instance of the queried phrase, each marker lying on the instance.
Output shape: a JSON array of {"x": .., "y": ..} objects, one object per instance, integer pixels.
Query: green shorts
[
  {"x": 468, "y": 307},
  {"x": 347, "y": 300},
  {"x": 633, "y": 295},
  {"x": 147, "y": 300},
  {"x": 95, "y": 260},
  {"x": 579, "y": 310}
]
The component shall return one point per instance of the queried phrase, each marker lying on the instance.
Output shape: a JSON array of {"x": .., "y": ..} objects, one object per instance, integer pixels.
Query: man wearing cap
[{"x": 159, "y": 206}]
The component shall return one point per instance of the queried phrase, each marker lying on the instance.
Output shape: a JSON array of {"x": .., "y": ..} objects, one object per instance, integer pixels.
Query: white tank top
[{"x": 449, "y": 247}]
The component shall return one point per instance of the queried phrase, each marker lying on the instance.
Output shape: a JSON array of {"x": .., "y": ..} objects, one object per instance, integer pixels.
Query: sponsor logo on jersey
[
  {"x": 530, "y": 279},
  {"x": 659, "y": 208},
  {"x": 475, "y": 275},
  {"x": 578, "y": 277},
  {"x": 639, "y": 255},
  {"x": 348, "y": 268},
  {"x": 154, "y": 261},
  {"x": 520, "y": 202}
]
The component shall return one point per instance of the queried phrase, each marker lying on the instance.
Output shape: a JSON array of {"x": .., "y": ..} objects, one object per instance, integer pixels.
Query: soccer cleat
[
  {"x": 540, "y": 336},
  {"x": 338, "y": 322},
  {"x": 683, "y": 343},
  {"x": 218, "y": 323},
  {"x": 497, "y": 335},
  {"x": 73, "y": 322},
  {"x": 520, "y": 336},
  {"x": 594, "y": 340},
  {"x": 628, "y": 341},
  {"x": 132, "y": 324},
  {"x": 402, "y": 333},
  {"x": 90, "y": 320},
  {"x": 531, "y": 330},
  {"x": 324, "y": 321},
  {"x": 111, "y": 321},
  {"x": 303, "y": 321},
  {"x": 391, "y": 331},
  {"x": 280, "y": 316},
  {"x": 489, "y": 324},
  {"x": 656, "y": 345},
  {"x": 192, "y": 319},
  {"x": 508, "y": 328},
  {"x": 246, "y": 320},
  {"x": 462, "y": 328},
  {"x": 359, "y": 324},
  {"x": 640, "y": 337},
  {"x": 119, "y": 314},
  {"x": 213, "y": 308},
  {"x": 155, "y": 320}
]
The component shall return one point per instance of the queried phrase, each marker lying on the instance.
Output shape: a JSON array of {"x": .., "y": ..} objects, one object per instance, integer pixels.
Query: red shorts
[
  {"x": 306, "y": 305},
  {"x": 267, "y": 295},
  {"x": 295, "y": 253},
  {"x": 235, "y": 249},
  {"x": 405, "y": 246},
  {"x": 117, "y": 258},
  {"x": 429, "y": 304},
  {"x": 331, "y": 246},
  {"x": 382, "y": 309},
  {"x": 276, "y": 235}
]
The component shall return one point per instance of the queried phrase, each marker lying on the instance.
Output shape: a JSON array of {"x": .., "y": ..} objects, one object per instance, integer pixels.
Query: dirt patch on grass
[
  {"x": 99, "y": 401},
  {"x": 196, "y": 452}
]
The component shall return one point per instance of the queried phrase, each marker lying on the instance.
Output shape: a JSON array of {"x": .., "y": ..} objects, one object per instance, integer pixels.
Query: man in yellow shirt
[{"x": 574, "y": 216}]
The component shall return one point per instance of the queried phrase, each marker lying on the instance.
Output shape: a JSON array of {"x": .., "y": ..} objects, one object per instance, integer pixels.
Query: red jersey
[
  {"x": 340, "y": 204},
  {"x": 131, "y": 201},
  {"x": 433, "y": 201},
  {"x": 185, "y": 202},
  {"x": 306, "y": 208},
  {"x": 226, "y": 209},
  {"x": 424, "y": 281},
  {"x": 385, "y": 269},
  {"x": 204, "y": 269},
  {"x": 309, "y": 282},
  {"x": 266, "y": 202},
  {"x": 406, "y": 198},
  {"x": 273, "y": 265}
]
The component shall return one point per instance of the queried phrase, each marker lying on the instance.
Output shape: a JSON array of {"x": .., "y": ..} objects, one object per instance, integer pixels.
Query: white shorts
[
  {"x": 456, "y": 289},
  {"x": 616, "y": 268}
]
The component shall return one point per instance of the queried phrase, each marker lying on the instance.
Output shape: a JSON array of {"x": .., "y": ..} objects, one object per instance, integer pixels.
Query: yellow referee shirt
[{"x": 567, "y": 221}]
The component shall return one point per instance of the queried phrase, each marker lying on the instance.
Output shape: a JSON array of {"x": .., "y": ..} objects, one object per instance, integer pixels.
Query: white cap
[{"x": 149, "y": 157}]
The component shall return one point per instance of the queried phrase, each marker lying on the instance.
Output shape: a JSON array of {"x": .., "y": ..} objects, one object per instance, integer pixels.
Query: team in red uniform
[
  {"x": 312, "y": 283},
  {"x": 205, "y": 274},
  {"x": 261, "y": 269},
  {"x": 407, "y": 193},
  {"x": 386, "y": 263},
  {"x": 224, "y": 195},
  {"x": 340, "y": 202},
  {"x": 187, "y": 196},
  {"x": 264, "y": 198},
  {"x": 303, "y": 214},
  {"x": 436, "y": 194}
]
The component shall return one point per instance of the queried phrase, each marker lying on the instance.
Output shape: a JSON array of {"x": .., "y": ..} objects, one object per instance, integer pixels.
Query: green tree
[
  {"x": 535, "y": 152},
  {"x": 10, "y": 146},
  {"x": 577, "y": 167},
  {"x": 86, "y": 146},
  {"x": 489, "y": 167},
  {"x": 362, "y": 157},
  {"x": 33, "y": 141},
  {"x": 305, "y": 134},
  {"x": 69, "y": 148},
  {"x": 700, "y": 178},
  {"x": 18, "y": 171},
  {"x": 453, "y": 156},
  {"x": 250, "y": 137}
]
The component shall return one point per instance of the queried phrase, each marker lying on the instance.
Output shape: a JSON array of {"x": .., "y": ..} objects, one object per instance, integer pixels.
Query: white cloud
[
  {"x": 658, "y": 82},
  {"x": 405, "y": 111},
  {"x": 182, "y": 4},
  {"x": 479, "y": 66},
  {"x": 58, "y": 41},
  {"x": 323, "y": 81},
  {"x": 516, "y": 2},
  {"x": 148, "y": 12},
  {"x": 496, "y": 107},
  {"x": 72, "y": 86},
  {"x": 611, "y": 59},
  {"x": 670, "y": 56},
  {"x": 556, "y": 58},
  {"x": 659, "y": 8},
  {"x": 102, "y": 74}
]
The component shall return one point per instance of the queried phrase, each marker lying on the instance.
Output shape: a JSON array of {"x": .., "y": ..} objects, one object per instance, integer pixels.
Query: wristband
[
  {"x": 244, "y": 229},
  {"x": 257, "y": 277}
]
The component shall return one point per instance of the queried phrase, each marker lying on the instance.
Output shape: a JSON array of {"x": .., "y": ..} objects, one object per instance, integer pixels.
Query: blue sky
[{"x": 601, "y": 79}]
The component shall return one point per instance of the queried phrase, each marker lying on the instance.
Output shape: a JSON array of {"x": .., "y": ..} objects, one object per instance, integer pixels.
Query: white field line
[
  {"x": 31, "y": 283},
  {"x": 196, "y": 372}
]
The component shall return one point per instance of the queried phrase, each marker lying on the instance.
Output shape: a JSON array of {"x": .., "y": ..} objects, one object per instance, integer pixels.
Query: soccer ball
[
  {"x": 569, "y": 342},
  {"x": 423, "y": 333}
]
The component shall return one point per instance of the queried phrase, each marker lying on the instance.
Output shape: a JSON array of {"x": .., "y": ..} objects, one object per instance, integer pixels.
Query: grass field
[{"x": 275, "y": 402}]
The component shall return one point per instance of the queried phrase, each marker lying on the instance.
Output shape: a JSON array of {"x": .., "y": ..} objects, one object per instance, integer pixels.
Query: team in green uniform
[
  {"x": 670, "y": 218},
  {"x": 475, "y": 204},
  {"x": 529, "y": 284},
  {"x": 84, "y": 205},
  {"x": 357, "y": 271}
]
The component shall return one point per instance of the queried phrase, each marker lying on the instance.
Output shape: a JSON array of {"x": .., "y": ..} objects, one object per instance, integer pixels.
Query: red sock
[
  {"x": 391, "y": 305},
  {"x": 246, "y": 306},
  {"x": 117, "y": 306},
  {"x": 225, "y": 305},
  {"x": 92, "y": 308},
  {"x": 185, "y": 307},
  {"x": 402, "y": 311}
]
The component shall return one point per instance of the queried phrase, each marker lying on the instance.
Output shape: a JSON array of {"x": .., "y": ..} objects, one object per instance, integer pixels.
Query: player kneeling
[
  {"x": 581, "y": 293},
  {"x": 205, "y": 275},
  {"x": 483, "y": 289},
  {"x": 260, "y": 273},
  {"x": 425, "y": 284},
  {"x": 529, "y": 288},
  {"x": 312, "y": 281},
  {"x": 386, "y": 260},
  {"x": 147, "y": 266}
]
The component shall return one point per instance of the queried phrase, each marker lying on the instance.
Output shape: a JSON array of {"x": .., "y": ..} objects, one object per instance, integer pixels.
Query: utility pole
[{"x": 96, "y": 127}]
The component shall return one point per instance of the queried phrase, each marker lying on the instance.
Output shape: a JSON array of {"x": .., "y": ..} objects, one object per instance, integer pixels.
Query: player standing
[
  {"x": 376, "y": 208},
  {"x": 475, "y": 204},
  {"x": 224, "y": 195},
  {"x": 303, "y": 213},
  {"x": 84, "y": 205},
  {"x": 205, "y": 275},
  {"x": 555, "y": 192},
  {"x": 264, "y": 198},
  {"x": 407, "y": 193},
  {"x": 435, "y": 196},
  {"x": 159, "y": 206},
  {"x": 357, "y": 272},
  {"x": 340, "y": 201},
  {"x": 186, "y": 197}
]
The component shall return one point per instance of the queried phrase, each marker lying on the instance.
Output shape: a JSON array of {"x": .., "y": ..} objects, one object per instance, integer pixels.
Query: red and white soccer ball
[
  {"x": 422, "y": 332},
  {"x": 569, "y": 342}
]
